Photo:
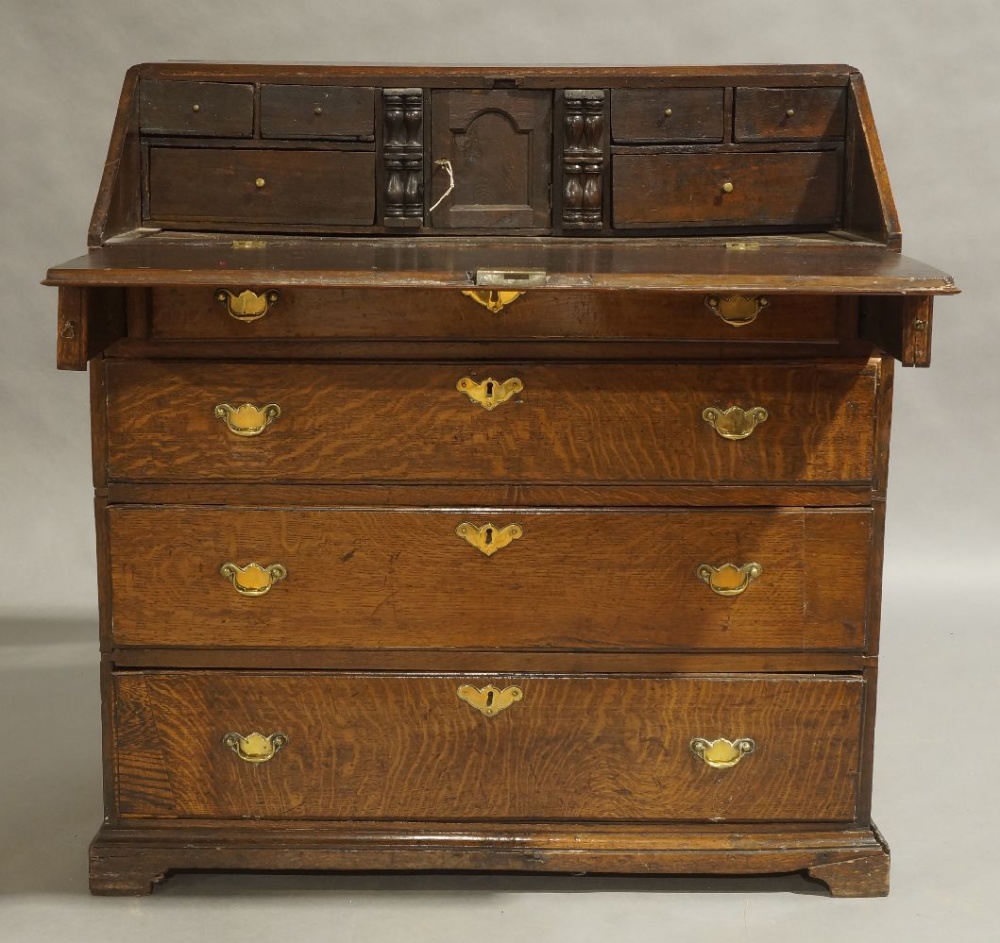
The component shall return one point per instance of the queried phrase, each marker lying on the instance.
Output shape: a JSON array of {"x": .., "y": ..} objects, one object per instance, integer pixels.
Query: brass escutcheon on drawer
[
  {"x": 489, "y": 538},
  {"x": 490, "y": 700},
  {"x": 247, "y": 419},
  {"x": 255, "y": 747},
  {"x": 489, "y": 393},
  {"x": 722, "y": 753},
  {"x": 734, "y": 422},
  {"x": 247, "y": 306},
  {"x": 253, "y": 579},
  {"x": 729, "y": 579}
]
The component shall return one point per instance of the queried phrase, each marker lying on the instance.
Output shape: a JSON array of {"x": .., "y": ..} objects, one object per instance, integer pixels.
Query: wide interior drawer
[
  {"x": 333, "y": 422},
  {"x": 260, "y": 311},
  {"x": 384, "y": 578},
  {"x": 343, "y": 746},
  {"x": 261, "y": 186},
  {"x": 792, "y": 189}
]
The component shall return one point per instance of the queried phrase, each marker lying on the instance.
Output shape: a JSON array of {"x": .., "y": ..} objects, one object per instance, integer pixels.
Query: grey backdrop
[{"x": 933, "y": 72}]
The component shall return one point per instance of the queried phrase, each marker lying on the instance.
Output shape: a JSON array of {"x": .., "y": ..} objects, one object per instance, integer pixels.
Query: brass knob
[
  {"x": 790, "y": 113},
  {"x": 727, "y": 187},
  {"x": 255, "y": 747},
  {"x": 317, "y": 110},
  {"x": 253, "y": 579},
  {"x": 196, "y": 107},
  {"x": 722, "y": 753},
  {"x": 259, "y": 183},
  {"x": 728, "y": 579},
  {"x": 667, "y": 112}
]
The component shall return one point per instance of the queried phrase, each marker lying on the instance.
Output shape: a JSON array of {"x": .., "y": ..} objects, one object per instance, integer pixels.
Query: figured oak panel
[
  {"x": 426, "y": 314},
  {"x": 569, "y": 423},
  {"x": 370, "y": 746},
  {"x": 403, "y": 579},
  {"x": 789, "y": 114}
]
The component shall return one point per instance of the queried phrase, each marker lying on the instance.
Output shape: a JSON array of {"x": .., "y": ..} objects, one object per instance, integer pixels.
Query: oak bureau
[{"x": 490, "y": 468}]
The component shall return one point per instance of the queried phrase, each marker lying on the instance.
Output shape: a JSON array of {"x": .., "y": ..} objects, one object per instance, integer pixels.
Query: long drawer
[
  {"x": 343, "y": 746},
  {"x": 428, "y": 314},
  {"x": 501, "y": 579},
  {"x": 570, "y": 423}
]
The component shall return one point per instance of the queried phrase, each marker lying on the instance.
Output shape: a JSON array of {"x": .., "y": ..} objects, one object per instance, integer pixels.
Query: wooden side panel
[
  {"x": 572, "y": 748},
  {"x": 568, "y": 423},
  {"x": 90, "y": 321},
  {"x": 899, "y": 326},
  {"x": 385, "y": 578}
]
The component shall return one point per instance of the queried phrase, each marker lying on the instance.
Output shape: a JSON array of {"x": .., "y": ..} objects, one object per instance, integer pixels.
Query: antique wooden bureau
[{"x": 490, "y": 468}]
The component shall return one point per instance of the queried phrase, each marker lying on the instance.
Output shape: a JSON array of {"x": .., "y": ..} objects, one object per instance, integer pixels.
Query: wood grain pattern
[
  {"x": 771, "y": 189},
  {"x": 388, "y": 747},
  {"x": 426, "y": 314},
  {"x": 386, "y": 579},
  {"x": 212, "y": 109},
  {"x": 317, "y": 111},
  {"x": 571, "y": 423},
  {"x": 335, "y": 187}
]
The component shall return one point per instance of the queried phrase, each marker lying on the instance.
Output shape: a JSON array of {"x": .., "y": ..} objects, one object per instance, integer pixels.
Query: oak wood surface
[
  {"x": 383, "y": 579},
  {"x": 789, "y": 114},
  {"x": 570, "y": 423},
  {"x": 391, "y": 746},
  {"x": 316, "y": 111},
  {"x": 640, "y": 116},
  {"x": 215, "y": 109}
]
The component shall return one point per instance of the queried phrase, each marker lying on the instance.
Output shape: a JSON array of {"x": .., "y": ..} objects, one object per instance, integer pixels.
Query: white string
[{"x": 444, "y": 162}]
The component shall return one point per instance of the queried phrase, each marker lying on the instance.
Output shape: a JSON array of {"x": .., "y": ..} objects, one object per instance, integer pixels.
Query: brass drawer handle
[
  {"x": 494, "y": 301},
  {"x": 489, "y": 538},
  {"x": 722, "y": 754},
  {"x": 490, "y": 700},
  {"x": 253, "y": 579},
  {"x": 247, "y": 419},
  {"x": 490, "y": 393},
  {"x": 247, "y": 306},
  {"x": 736, "y": 310},
  {"x": 734, "y": 422},
  {"x": 728, "y": 579},
  {"x": 255, "y": 748}
]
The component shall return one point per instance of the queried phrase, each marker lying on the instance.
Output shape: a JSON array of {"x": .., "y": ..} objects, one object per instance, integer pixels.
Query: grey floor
[{"x": 935, "y": 800}]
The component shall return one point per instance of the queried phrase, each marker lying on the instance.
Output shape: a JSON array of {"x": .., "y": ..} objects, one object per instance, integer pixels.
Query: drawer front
[
  {"x": 409, "y": 747},
  {"x": 790, "y": 114},
  {"x": 432, "y": 422},
  {"x": 317, "y": 111},
  {"x": 798, "y": 188},
  {"x": 207, "y": 109},
  {"x": 262, "y": 186},
  {"x": 429, "y": 314},
  {"x": 451, "y": 579},
  {"x": 666, "y": 115}
]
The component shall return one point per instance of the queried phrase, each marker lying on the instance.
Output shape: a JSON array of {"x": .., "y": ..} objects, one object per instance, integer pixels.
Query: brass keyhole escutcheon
[
  {"x": 489, "y": 538},
  {"x": 490, "y": 700},
  {"x": 493, "y": 300},
  {"x": 489, "y": 393}
]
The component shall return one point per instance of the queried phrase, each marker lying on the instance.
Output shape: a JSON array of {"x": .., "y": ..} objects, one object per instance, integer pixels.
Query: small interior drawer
[
  {"x": 317, "y": 111},
  {"x": 790, "y": 114},
  {"x": 206, "y": 109},
  {"x": 259, "y": 185},
  {"x": 666, "y": 115}
]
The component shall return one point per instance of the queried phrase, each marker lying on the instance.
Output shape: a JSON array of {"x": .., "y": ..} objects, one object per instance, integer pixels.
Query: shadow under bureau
[{"x": 490, "y": 468}]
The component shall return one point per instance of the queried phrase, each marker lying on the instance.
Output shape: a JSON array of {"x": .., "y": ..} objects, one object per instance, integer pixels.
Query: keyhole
[
  {"x": 489, "y": 387},
  {"x": 488, "y": 539},
  {"x": 489, "y": 698}
]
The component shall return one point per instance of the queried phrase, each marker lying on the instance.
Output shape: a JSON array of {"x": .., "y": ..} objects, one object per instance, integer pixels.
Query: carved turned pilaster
[
  {"x": 583, "y": 159},
  {"x": 404, "y": 156}
]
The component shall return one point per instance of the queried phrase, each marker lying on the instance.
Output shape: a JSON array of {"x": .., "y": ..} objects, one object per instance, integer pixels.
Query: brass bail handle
[
  {"x": 247, "y": 306},
  {"x": 736, "y": 310},
  {"x": 722, "y": 753},
  {"x": 255, "y": 747}
]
